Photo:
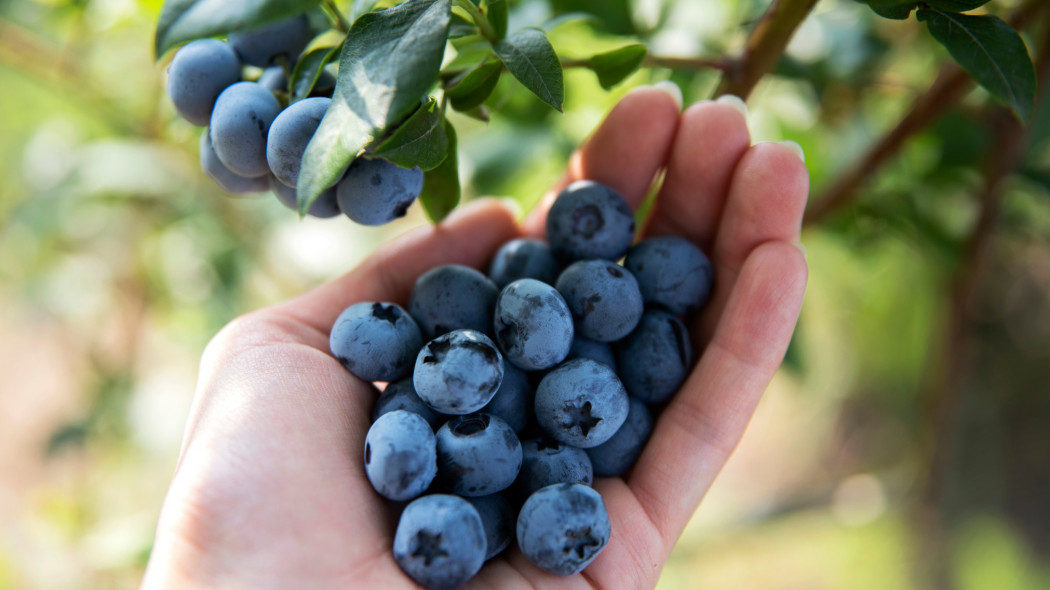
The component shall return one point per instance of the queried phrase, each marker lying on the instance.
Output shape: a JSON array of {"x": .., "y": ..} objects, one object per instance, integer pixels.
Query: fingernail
[
  {"x": 802, "y": 249},
  {"x": 734, "y": 101},
  {"x": 795, "y": 147},
  {"x": 673, "y": 89}
]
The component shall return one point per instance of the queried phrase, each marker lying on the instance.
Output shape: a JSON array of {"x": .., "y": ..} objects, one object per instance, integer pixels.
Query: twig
[
  {"x": 951, "y": 85},
  {"x": 765, "y": 46},
  {"x": 336, "y": 15}
]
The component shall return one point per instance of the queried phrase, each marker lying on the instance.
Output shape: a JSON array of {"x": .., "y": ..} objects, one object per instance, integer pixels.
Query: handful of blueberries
[
  {"x": 255, "y": 142},
  {"x": 509, "y": 393}
]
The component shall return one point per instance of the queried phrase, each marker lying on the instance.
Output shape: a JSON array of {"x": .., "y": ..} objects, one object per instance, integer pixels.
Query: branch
[
  {"x": 942, "y": 397},
  {"x": 765, "y": 46},
  {"x": 951, "y": 85},
  {"x": 336, "y": 16}
]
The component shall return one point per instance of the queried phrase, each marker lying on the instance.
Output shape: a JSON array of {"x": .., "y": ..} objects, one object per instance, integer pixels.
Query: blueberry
[
  {"x": 581, "y": 403},
  {"x": 513, "y": 399},
  {"x": 401, "y": 395},
  {"x": 672, "y": 272},
  {"x": 440, "y": 541},
  {"x": 655, "y": 358},
  {"x": 533, "y": 324},
  {"x": 546, "y": 461},
  {"x": 590, "y": 220},
  {"x": 562, "y": 528},
  {"x": 274, "y": 79},
  {"x": 375, "y": 192},
  {"x": 498, "y": 519},
  {"x": 604, "y": 298},
  {"x": 199, "y": 72},
  {"x": 376, "y": 341},
  {"x": 239, "y": 124},
  {"x": 324, "y": 207},
  {"x": 523, "y": 258},
  {"x": 618, "y": 454},
  {"x": 458, "y": 372},
  {"x": 289, "y": 134},
  {"x": 227, "y": 180},
  {"x": 453, "y": 297},
  {"x": 400, "y": 455},
  {"x": 477, "y": 455},
  {"x": 592, "y": 349},
  {"x": 276, "y": 44}
]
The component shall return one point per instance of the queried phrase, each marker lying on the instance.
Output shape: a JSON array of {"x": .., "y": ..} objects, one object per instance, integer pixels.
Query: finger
[
  {"x": 711, "y": 139},
  {"x": 767, "y": 196},
  {"x": 625, "y": 152},
  {"x": 696, "y": 433},
  {"x": 469, "y": 237}
]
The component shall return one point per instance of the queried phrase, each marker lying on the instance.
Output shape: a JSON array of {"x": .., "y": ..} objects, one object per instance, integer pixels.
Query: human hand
[{"x": 270, "y": 488}]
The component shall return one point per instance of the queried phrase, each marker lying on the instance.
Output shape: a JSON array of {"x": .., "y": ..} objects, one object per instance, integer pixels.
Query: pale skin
[{"x": 270, "y": 488}]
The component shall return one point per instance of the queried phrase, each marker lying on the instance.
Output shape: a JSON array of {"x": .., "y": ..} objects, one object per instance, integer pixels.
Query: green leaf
[
  {"x": 613, "y": 66},
  {"x": 896, "y": 11},
  {"x": 991, "y": 51},
  {"x": 308, "y": 69},
  {"x": 419, "y": 141},
  {"x": 529, "y": 56},
  {"x": 440, "y": 193},
  {"x": 614, "y": 16},
  {"x": 186, "y": 20},
  {"x": 497, "y": 13},
  {"x": 475, "y": 85},
  {"x": 569, "y": 17},
  {"x": 361, "y": 7},
  {"x": 956, "y": 5},
  {"x": 390, "y": 57}
]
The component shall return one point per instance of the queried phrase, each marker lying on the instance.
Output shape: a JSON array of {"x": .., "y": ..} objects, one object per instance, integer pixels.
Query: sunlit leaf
[
  {"x": 308, "y": 70},
  {"x": 529, "y": 56},
  {"x": 186, "y": 20},
  {"x": 390, "y": 58},
  {"x": 419, "y": 141}
]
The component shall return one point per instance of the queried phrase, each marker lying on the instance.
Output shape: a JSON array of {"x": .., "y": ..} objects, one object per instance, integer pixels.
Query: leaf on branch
[
  {"x": 475, "y": 85},
  {"x": 185, "y": 20},
  {"x": 567, "y": 18},
  {"x": 361, "y": 7},
  {"x": 441, "y": 185},
  {"x": 991, "y": 51},
  {"x": 419, "y": 141},
  {"x": 529, "y": 56},
  {"x": 614, "y": 66},
  {"x": 497, "y": 11},
  {"x": 893, "y": 9},
  {"x": 389, "y": 59},
  {"x": 308, "y": 70},
  {"x": 956, "y": 5}
]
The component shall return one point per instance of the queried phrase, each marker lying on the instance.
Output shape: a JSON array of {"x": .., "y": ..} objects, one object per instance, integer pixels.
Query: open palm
[{"x": 270, "y": 489}]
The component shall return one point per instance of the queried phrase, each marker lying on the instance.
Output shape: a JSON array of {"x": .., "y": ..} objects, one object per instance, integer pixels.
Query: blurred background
[{"x": 905, "y": 443}]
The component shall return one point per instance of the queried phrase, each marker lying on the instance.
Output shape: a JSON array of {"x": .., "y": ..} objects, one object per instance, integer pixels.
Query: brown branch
[
  {"x": 765, "y": 46},
  {"x": 950, "y": 87},
  {"x": 942, "y": 397}
]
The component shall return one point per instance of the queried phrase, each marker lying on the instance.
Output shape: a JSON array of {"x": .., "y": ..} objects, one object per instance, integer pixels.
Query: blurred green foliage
[{"x": 119, "y": 260}]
